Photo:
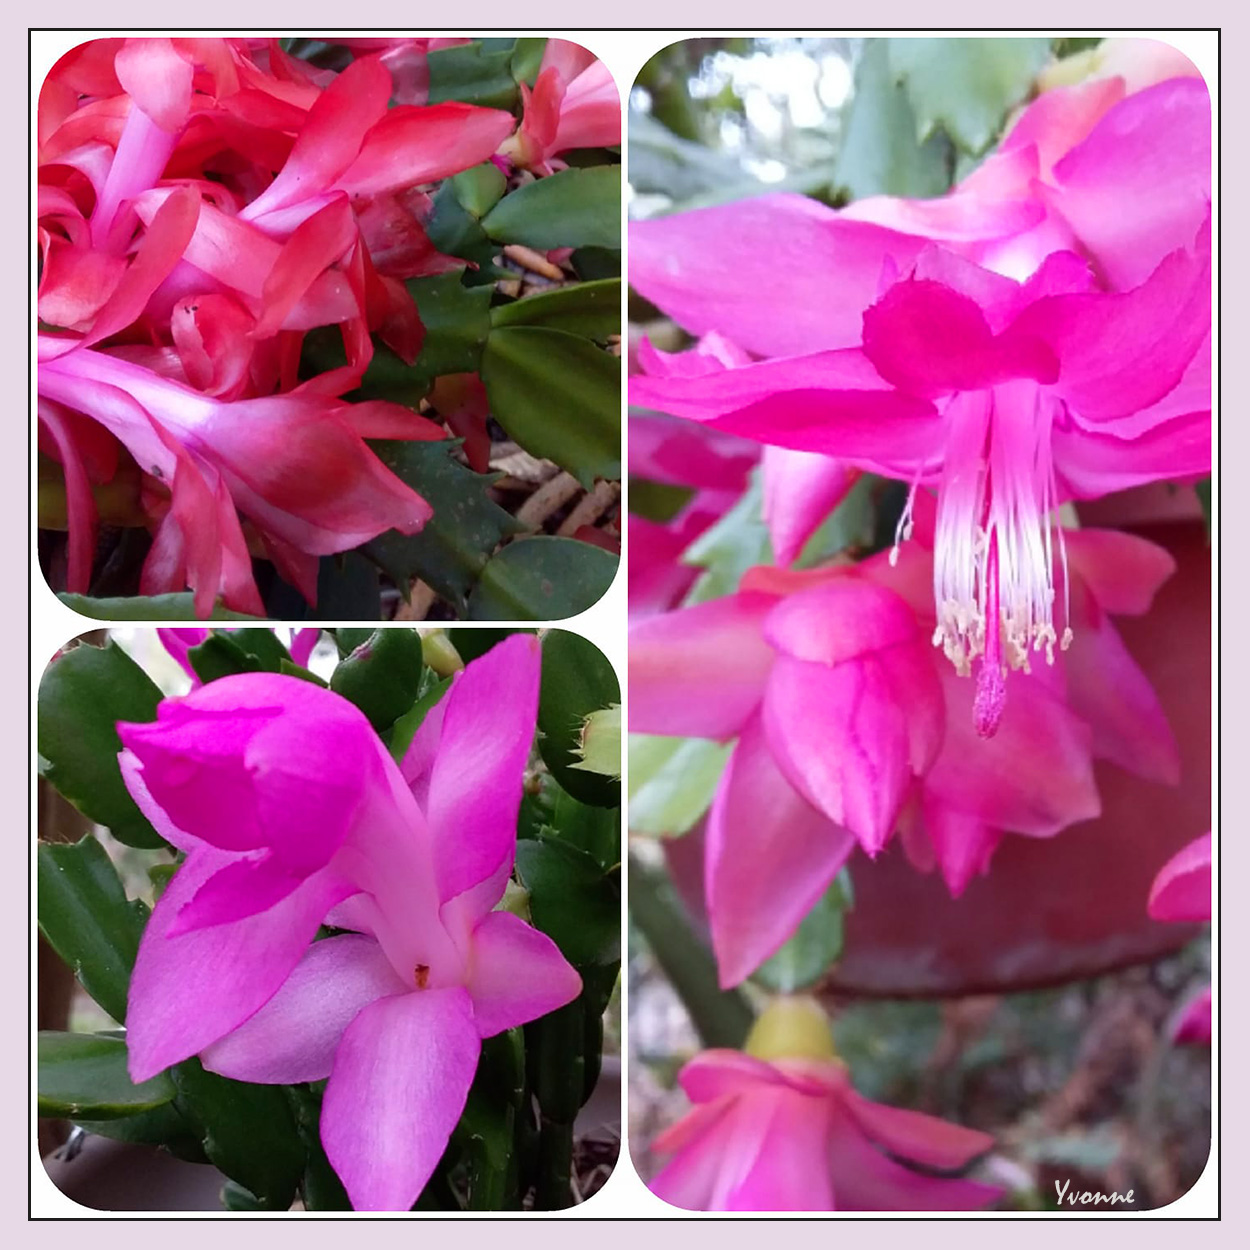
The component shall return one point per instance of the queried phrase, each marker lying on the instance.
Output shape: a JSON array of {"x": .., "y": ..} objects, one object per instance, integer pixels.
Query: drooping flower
[
  {"x": 1181, "y": 894},
  {"x": 933, "y": 358},
  {"x": 781, "y": 1128},
  {"x": 573, "y": 104},
  {"x": 850, "y": 728},
  {"x": 292, "y": 813}
]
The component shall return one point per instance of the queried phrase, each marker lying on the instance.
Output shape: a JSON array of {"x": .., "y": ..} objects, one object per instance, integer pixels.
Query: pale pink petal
[
  {"x": 187, "y": 992},
  {"x": 699, "y": 671},
  {"x": 401, "y": 1076},
  {"x": 516, "y": 974},
  {"x": 770, "y": 857},
  {"x": 293, "y": 1037}
]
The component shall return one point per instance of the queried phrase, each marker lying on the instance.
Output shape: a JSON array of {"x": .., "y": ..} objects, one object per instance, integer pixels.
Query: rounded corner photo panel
[
  {"x": 328, "y": 329},
  {"x": 330, "y": 920},
  {"x": 920, "y": 650}
]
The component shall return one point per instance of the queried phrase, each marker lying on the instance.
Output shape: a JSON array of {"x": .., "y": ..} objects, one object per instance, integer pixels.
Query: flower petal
[
  {"x": 761, "y": 271},
  {"x": 800, "y": 491},
  {"x": 1182, "y": 890},
  {"x": 186, "y": 992},
  {"x": 516, "y": 974},
  {"x": 293, "y": 1037},
  {"x": 790, "y": 1172},
  {"x": 401, "y": 1076},
  {"x": 865, "y": 1180},
  {"x": 842, "y": 741},
  {"x": 770, "y": 856},
  {"x": 476, "y": 780},
  {"x": 699, "y": 671},
  {"x": 923, "y": 1139}
]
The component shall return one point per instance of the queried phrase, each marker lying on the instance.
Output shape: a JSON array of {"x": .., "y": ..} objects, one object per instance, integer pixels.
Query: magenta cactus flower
[
  {"x": 849, "y": 727},
  {"x": 1010, "y": 379},
  {"x": 292, "y": 814},
  {"x": 781, "y": 1128}
]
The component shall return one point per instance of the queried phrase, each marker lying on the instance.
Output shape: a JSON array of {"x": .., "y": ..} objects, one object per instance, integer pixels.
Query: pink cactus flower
[
  {"x": 292, "y": 813},
  {"x": 1181, "y": 894},
  {"x": 850, "y": 728},
  {"x": 1085, "y": 371},
  {"x": 573, "y": 104},
  {"x": 781, "y": 1128}
]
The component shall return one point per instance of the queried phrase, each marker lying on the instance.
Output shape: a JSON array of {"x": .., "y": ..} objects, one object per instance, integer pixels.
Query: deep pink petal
[
  {"x": 81, "y": 514},
  {"x": 845, "y": 618},
  {"x": 293, "y": 1037},
  {"x": 923, "y": 1139},
  {"x": 1194, "y": 1025},
  {"x": 699, "y": 671},
  {"x": 761, "y": 271},
  {"x": 516, "y": 974},
  {"x": 1034, "y": 776},
  {"x": 969, "y": 213},
  {"x": 1123, "y": 571},
  {"x": 865, "y": 1180},
  {"x": 1114, "y": 697},
  {"x": 1090, "y": 465},
  {"x": 1119, "y": 353},
  {"x": 1182, "y": 889},
  {"x": 833, "y": 402},
  {"x": 1153, "y": 151},
  {"x": 689, "y": 1179},
  {"x": 790, "y": 1172},
  {"x": 187, "y": 992},
  {"x": 770, "y": 857},
  {"x": 842, "y": 741},
  {"x": 721, "y": 1073},
  {"x": 401, "y": 1075},
  {"x": 930, "y": 340}
]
